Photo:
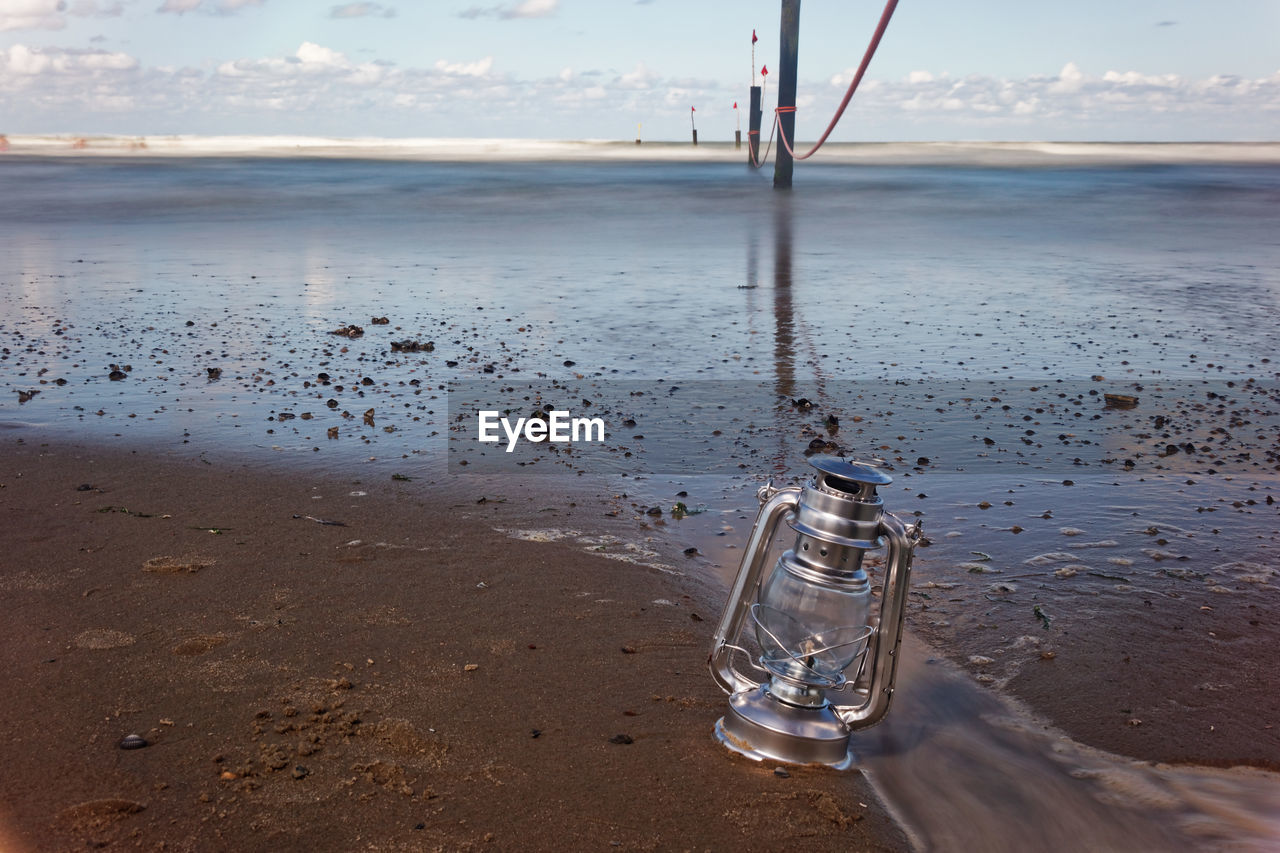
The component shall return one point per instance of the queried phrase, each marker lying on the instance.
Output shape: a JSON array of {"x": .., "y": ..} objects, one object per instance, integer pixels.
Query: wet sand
[
  {"x": 407, "y": 680},
  {"x": 1113, "y": 569}
]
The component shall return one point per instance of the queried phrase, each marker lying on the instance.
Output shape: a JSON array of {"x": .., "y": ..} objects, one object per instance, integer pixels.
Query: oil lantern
[{"x": 826, "y": 661}]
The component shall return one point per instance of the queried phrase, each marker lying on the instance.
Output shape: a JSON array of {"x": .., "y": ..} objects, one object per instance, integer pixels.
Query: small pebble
[
  {"x": 623, "y": 739},
  {"x": 781, "y": 772},
  {"x": 133, "y": 742}
]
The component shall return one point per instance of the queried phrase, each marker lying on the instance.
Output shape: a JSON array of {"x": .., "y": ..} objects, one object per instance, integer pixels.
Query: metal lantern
[{"x": 813, "y": 621}]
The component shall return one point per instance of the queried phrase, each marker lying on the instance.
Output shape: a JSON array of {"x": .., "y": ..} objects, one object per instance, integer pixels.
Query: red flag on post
[{"x": 753, "y": 37}]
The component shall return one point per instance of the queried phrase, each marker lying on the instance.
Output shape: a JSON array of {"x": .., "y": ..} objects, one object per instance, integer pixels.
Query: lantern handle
[
  {"x": 776, "y": 503},
  {"x": 880, "y": 665}
]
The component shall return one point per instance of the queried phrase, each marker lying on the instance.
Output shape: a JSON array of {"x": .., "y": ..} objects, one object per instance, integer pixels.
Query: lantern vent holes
[
  {"x": 842, "y": 485},
  {"x": 849, "y": 489}
]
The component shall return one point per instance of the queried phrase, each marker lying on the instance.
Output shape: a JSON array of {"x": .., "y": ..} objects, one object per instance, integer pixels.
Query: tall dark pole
[
  {"x": 787, "y": 55},
  {"x": 753, "y": 127}
]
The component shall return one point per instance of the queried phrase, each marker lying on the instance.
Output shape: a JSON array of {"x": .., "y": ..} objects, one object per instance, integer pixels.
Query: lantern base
[{"x": 761, "y": 727}]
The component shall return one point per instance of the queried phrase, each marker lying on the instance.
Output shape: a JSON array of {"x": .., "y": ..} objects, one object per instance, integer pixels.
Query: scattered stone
[
  {"x": 412, "y": 346},
  {"x": 1120, "y": 401},
  {"x": 622, "y": 739},
  {"x": 353, "y": 331}
]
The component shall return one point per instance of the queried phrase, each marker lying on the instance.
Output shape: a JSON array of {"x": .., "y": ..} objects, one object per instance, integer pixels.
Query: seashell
[{"x": 133, "y": 742}]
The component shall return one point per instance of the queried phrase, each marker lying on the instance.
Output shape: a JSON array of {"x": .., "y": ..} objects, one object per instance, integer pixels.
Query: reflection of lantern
[{"x": 813, "y": 619}]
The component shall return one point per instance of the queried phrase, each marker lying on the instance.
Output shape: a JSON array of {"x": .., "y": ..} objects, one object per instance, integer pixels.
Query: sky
[{"x": 1175, "y": 70}]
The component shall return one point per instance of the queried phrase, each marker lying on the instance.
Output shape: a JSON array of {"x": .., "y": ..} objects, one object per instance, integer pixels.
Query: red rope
[
  {"x": 848, "y": 95},
  {"x": 765, "y": 159}
]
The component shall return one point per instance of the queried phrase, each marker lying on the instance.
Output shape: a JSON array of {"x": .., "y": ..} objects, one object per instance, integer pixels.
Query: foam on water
[{"x": 515, "y": 150}]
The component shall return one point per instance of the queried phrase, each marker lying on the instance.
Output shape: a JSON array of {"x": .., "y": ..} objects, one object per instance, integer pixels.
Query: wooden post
[
  {"x": 753, "y": 128},
  {"x": 788, "y": 53},
  {"x": 695, "y": 136},
  {"x": 737, "y": 139}
]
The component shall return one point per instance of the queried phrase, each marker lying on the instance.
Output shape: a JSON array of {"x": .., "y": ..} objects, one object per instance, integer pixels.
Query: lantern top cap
[{"x": 858, "y": 472}]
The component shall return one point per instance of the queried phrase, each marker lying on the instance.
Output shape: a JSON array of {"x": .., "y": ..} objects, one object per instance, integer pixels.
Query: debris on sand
[
  {"x": 1120, "y": 401},
  {"x": 412, "y": 346}
]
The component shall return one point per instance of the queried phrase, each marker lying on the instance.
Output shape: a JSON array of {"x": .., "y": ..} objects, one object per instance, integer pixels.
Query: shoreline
[
  {"x": 318, "y": 666},
  {"x": 1011, "y": 153},
  {"x": 298, "y": 687}
]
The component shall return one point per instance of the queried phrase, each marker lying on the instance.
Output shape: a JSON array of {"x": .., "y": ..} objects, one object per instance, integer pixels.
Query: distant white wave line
[{"x": 430, "y": 149}]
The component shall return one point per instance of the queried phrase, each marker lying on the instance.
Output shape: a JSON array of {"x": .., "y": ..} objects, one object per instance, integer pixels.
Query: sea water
[{"x": 961, "y": 311}]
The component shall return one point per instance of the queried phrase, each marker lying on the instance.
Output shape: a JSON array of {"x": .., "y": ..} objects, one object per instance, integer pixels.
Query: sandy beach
[
  {"x": 406, "y": 680},
  {"x": 343, "y": 664}
]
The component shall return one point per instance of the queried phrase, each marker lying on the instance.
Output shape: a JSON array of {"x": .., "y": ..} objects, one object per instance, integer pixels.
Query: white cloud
[
  {"x": 310, "y": 53},
  {"x": 639, "y": 77},
  {"x": 218, "y": 7},
  {"x": 1070, "y": 79},
  {"x": 533, "y": 9},
  {"x": 479, "y": 68},
  {"x": 24, "y": 61},
  {"x": 310, "y": 59},
  {"x": 325, "y": 90},
  {"x": 362, "y": 10},
  {"x": 91, "y": 9},
  {"x": 32, "y": 14},
  {"x": 508, "y": 11},
  {"x": 1072, "y": 95}
]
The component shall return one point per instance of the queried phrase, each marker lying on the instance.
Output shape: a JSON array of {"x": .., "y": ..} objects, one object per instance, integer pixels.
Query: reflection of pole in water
[{"x": 784, "y": 352}]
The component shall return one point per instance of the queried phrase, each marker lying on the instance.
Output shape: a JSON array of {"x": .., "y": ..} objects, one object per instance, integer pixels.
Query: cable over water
[{"x": 885, "y": 16}]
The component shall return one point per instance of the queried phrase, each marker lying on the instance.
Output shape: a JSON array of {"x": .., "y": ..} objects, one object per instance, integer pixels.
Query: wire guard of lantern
[{"x": 813, "y": 621}]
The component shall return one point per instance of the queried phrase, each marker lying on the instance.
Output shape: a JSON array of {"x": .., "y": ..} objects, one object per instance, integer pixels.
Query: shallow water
[{"x": 898, "y": 298}]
